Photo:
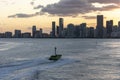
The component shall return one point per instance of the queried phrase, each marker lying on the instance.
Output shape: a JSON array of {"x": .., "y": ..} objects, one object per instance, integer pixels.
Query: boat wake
[{"x": 25, "y": 70}]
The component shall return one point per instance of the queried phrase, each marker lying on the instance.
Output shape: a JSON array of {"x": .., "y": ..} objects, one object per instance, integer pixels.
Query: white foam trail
[{"x": 28, "y": 69}]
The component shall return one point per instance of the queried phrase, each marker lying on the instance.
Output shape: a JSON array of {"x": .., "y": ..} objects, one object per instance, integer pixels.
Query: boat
[{"x": 55, "y": 57}]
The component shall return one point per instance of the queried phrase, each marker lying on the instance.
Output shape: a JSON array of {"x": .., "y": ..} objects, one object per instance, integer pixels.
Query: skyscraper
[
  {"x": 109, "y": 26},
  {"x": 118, "y": 23},
  {"x": 53, "y": 29},
  {"x": 33, "y": 31},
  {"x": 57, "y": 31},
  {"x": 61, "y": 25},
  {"x": 41, "y": 32},
  {"x": 99, "y": 27}
]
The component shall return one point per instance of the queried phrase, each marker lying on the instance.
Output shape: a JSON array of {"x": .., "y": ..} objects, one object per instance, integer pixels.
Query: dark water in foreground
[{"x": 83, "y": 59}]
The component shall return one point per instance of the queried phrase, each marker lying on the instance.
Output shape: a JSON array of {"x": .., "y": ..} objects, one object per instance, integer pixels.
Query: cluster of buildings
[
  {"x": 18, "y": 34},
  {"x": 82, "y": 31},
  {"x": 71, "y": 31}
]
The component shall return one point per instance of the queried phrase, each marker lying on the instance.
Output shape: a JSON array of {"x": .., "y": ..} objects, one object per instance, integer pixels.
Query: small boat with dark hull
[{"x": 55, "y": 57}]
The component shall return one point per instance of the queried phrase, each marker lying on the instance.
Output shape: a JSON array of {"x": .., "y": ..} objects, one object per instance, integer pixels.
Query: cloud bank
[
  {"x": 76, "y": 7},
  {"x": 72, "y": 8},
  {"x": 38, "y": 7},
  {"x": 22, "y": 15}
]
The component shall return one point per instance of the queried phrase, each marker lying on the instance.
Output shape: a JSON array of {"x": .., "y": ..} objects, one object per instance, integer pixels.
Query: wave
[
  {"x": 26, "y": 69},
  {"x": 8, "y": 45}
]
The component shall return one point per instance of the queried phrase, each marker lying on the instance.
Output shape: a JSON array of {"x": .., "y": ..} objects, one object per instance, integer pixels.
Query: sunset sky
[{"x": 23, "y": 14}]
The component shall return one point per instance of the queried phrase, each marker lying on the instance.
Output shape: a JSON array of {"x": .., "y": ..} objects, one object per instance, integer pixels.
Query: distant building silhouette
[
  {"x": 77, "y": 31},
  {"x": 61, "y": 26},
  {"x": 53, "y": 29},
  {"x": 8, "y": 34},
  {"x": 115, "y": 32},
  {"x": 118, "y": 23},
  {"x": 83, "y": 30},
  {"x": 90, "y": 32},
  {"x": 2, "y": 35},
  {"x": 17, "y": 34},
  {"x": 26, "y": 35},
  {"x": 64, "y": 33},
  {"x": 99, "y": 28},
  {"x": 57, "y": 31},
  {"x": 46, "y": 35},
  {"x": 33, "y": 31},
  {"x": 41, "y": 33},
  {"x": 109, "y": 26},
  {"x": 70, "y": 31},
  {"x": 115, "y": 28},
  {"x": 37, "y": 34}
]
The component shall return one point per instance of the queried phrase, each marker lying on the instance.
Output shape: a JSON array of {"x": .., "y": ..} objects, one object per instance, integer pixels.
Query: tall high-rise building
[
  {"x": 53, "y": 29},
  {"x": 99, "y": 27},
  {"x": 33, "y": 31},
  {"x": 41, "y": 33},
  {"x": 118, "y": 23},
  {"x": 109, "y": 26},
  {"x": 61, "y": 26},
  {"x": 57, "y": 31}
]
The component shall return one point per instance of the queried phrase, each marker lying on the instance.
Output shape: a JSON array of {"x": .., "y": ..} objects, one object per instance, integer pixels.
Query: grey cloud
[
  {"x": 70, "y": 8},
  {"x": 21, "y": 15},
  {"x": 105, "y": 1},
  {"x": 110, "y": 7},
  {"x": 32, "y": 3},
  {"x": 89, "y": 17},
  {"x": 106, "y": 8},
  {"x": 76, "y": 7},
  {"x": 38, "y": 7}
]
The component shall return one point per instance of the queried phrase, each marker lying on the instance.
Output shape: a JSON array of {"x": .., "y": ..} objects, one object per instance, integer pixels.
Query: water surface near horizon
[{"x": 83, "y": 59}]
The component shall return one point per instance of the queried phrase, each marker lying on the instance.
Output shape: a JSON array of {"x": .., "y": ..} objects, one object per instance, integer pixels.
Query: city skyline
[
  {"x": 71, "y": 31},
  {"x": 22, "y": 14}
]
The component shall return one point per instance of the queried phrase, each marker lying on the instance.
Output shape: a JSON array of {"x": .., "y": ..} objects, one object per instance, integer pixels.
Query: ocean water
[{"x": 83, "y": 59}]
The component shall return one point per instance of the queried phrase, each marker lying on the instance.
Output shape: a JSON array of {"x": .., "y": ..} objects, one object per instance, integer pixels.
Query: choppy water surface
[{"x": 83, "y": 59}]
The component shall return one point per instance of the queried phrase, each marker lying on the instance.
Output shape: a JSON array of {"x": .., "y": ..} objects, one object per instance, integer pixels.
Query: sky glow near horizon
[{"x": 25, "y": 13}]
